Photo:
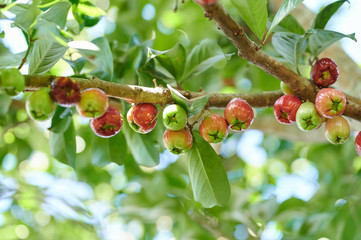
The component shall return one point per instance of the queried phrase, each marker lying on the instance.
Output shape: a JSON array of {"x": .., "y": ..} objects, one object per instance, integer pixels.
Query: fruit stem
[{"x": 161, "y": 109}]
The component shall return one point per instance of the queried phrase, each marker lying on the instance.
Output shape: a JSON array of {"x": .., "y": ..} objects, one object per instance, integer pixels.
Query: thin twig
[{"x": 26, "y": 54}]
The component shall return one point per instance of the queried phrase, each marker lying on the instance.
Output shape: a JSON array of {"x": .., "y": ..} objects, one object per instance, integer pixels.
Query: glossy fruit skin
[
  {"x": 337, "y": 130},
  {"x": 39, "y": 105},
  {"x": 213, "y": 128},
  {"x": 324, "y": 72},
  {"x": 174, "y": 117},
  {"x": 286, "y": 89},
  {"x": 238, "y": 114},
  {"x": 285, "y": 109},
  {"x": 358, "y": 144},
  {"x": 140, "y": 117},
  {"x": 330, "y": 102},
  {"x": 307, "y": 117},
  {"x": 93, "y": 103},
  {"x": 109, "y": 124},
  {"x": 206, "y": 2},
  {"x": 65, "y": 91},
  {"x": 11, "y": 81},
  {"x": 178, "y": 142}
]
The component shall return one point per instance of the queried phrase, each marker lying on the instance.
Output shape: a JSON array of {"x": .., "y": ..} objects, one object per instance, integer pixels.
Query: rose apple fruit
[
  {"x": 140, "y": 117},
  {"x": 11, "y": 81},
  {"x": 39, "y": 105},
  {"x": 178, "y": 142},
  {"x": 285, "y": 108},
  {"x": 238, "y": 114},
  {"x": 307, "y": 117},
  {"x": 337, "y": 130},
  {"x": 330, "y": 102},
  {"x": 65, "y": 91},
  {"x": 174, "y": 117},
  {"x": 109, "y": 124},
  {"x": 93, "y": 103},
  {"x": 286, "y": 89},
  {"x": 213, "y": 128},
  {"x": 324, "y": 72},
  {"x": 206, "y": 2},
  {"x": 358, "y": 144}
]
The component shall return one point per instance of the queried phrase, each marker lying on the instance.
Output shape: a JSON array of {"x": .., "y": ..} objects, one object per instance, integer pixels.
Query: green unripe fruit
[
  {"x": 39, "y": 105},
  {"x": 307, "y": 117},
  {"x": 93, "y": 103},
  {"x": 174, "y": 117},
  {"x": 12, "y": 82}
]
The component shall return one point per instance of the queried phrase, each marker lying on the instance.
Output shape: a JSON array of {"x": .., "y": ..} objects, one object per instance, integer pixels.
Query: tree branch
[
  {"x": 158, "y": 95},
  {"x": 248, "y": 50}
]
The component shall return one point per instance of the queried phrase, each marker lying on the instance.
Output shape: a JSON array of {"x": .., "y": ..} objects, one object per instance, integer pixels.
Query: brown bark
[
  {"x": 350, "y": 72},
  {"x": 158, "y": 95},
  {"x": 248, "y": 50}
]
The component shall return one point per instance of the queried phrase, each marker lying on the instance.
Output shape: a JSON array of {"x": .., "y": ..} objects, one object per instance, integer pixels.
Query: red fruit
[
  {"x": 330, "y": 102},
  {"x": 238, "y": 114},
  {"x": 93, "y": 103},
  {"x": 65, "y": 91},
  {"x": 324, "y": 72},
  {"x": 285, "y": 108},
  {"x": 358, "y": 144},
  {"x": 337, "y": 130},
  {"x": 108, "y": 124},
  {"x": 213, "y": 128},
  {"x": 178, "y": 142},
  {"x": 140, "y": 117},
  {"x": 206, "y": 2}
]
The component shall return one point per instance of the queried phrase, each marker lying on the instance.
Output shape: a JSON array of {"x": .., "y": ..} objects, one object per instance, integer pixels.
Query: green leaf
[
  {"x": 63, "y": 146},
  {"x": 192, "y": 106},
  {"x": 86, "y": 13},
  {"x": 173, "y": 60},
  {"x": 148, "y": 72},
  {"x": 203, "y": 56},
  {"x": 25, "y": 15},
  {"x": 47, "y": 3},
  {"x": 320, "y": 39},
  {"x": 290, "y": 24},
  {"x": 291, "y": 46},
  {"x": 325, "y": 14},
  {"x": 286, "y": 7},
  {"x": 10, "y": 60},
  {"x": 141, "y": 146},
  {"x": 101, "y": 58},
  {"x": 254, "y": 13},
  {"x": 207, "y": 175},
  {"x": 46, "y": 50},
  {"x": 57, "y": 13},
  {"x": 61, "y": 120},
  {"x": 197, "y": 104},
  {"x": 179, "y": 98},
  {"x": 106, "y": 150},
  {"x": 86, "y": 7},
  {"x": 76, "y": 65}
]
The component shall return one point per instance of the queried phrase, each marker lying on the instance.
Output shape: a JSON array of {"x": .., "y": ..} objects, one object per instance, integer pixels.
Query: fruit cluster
[
  {"x": 178, "y": 138},
  {"x": 329, "y": 105},
  {"x": 106, "y": 121},
  {"x": 92, "y": 103}
]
